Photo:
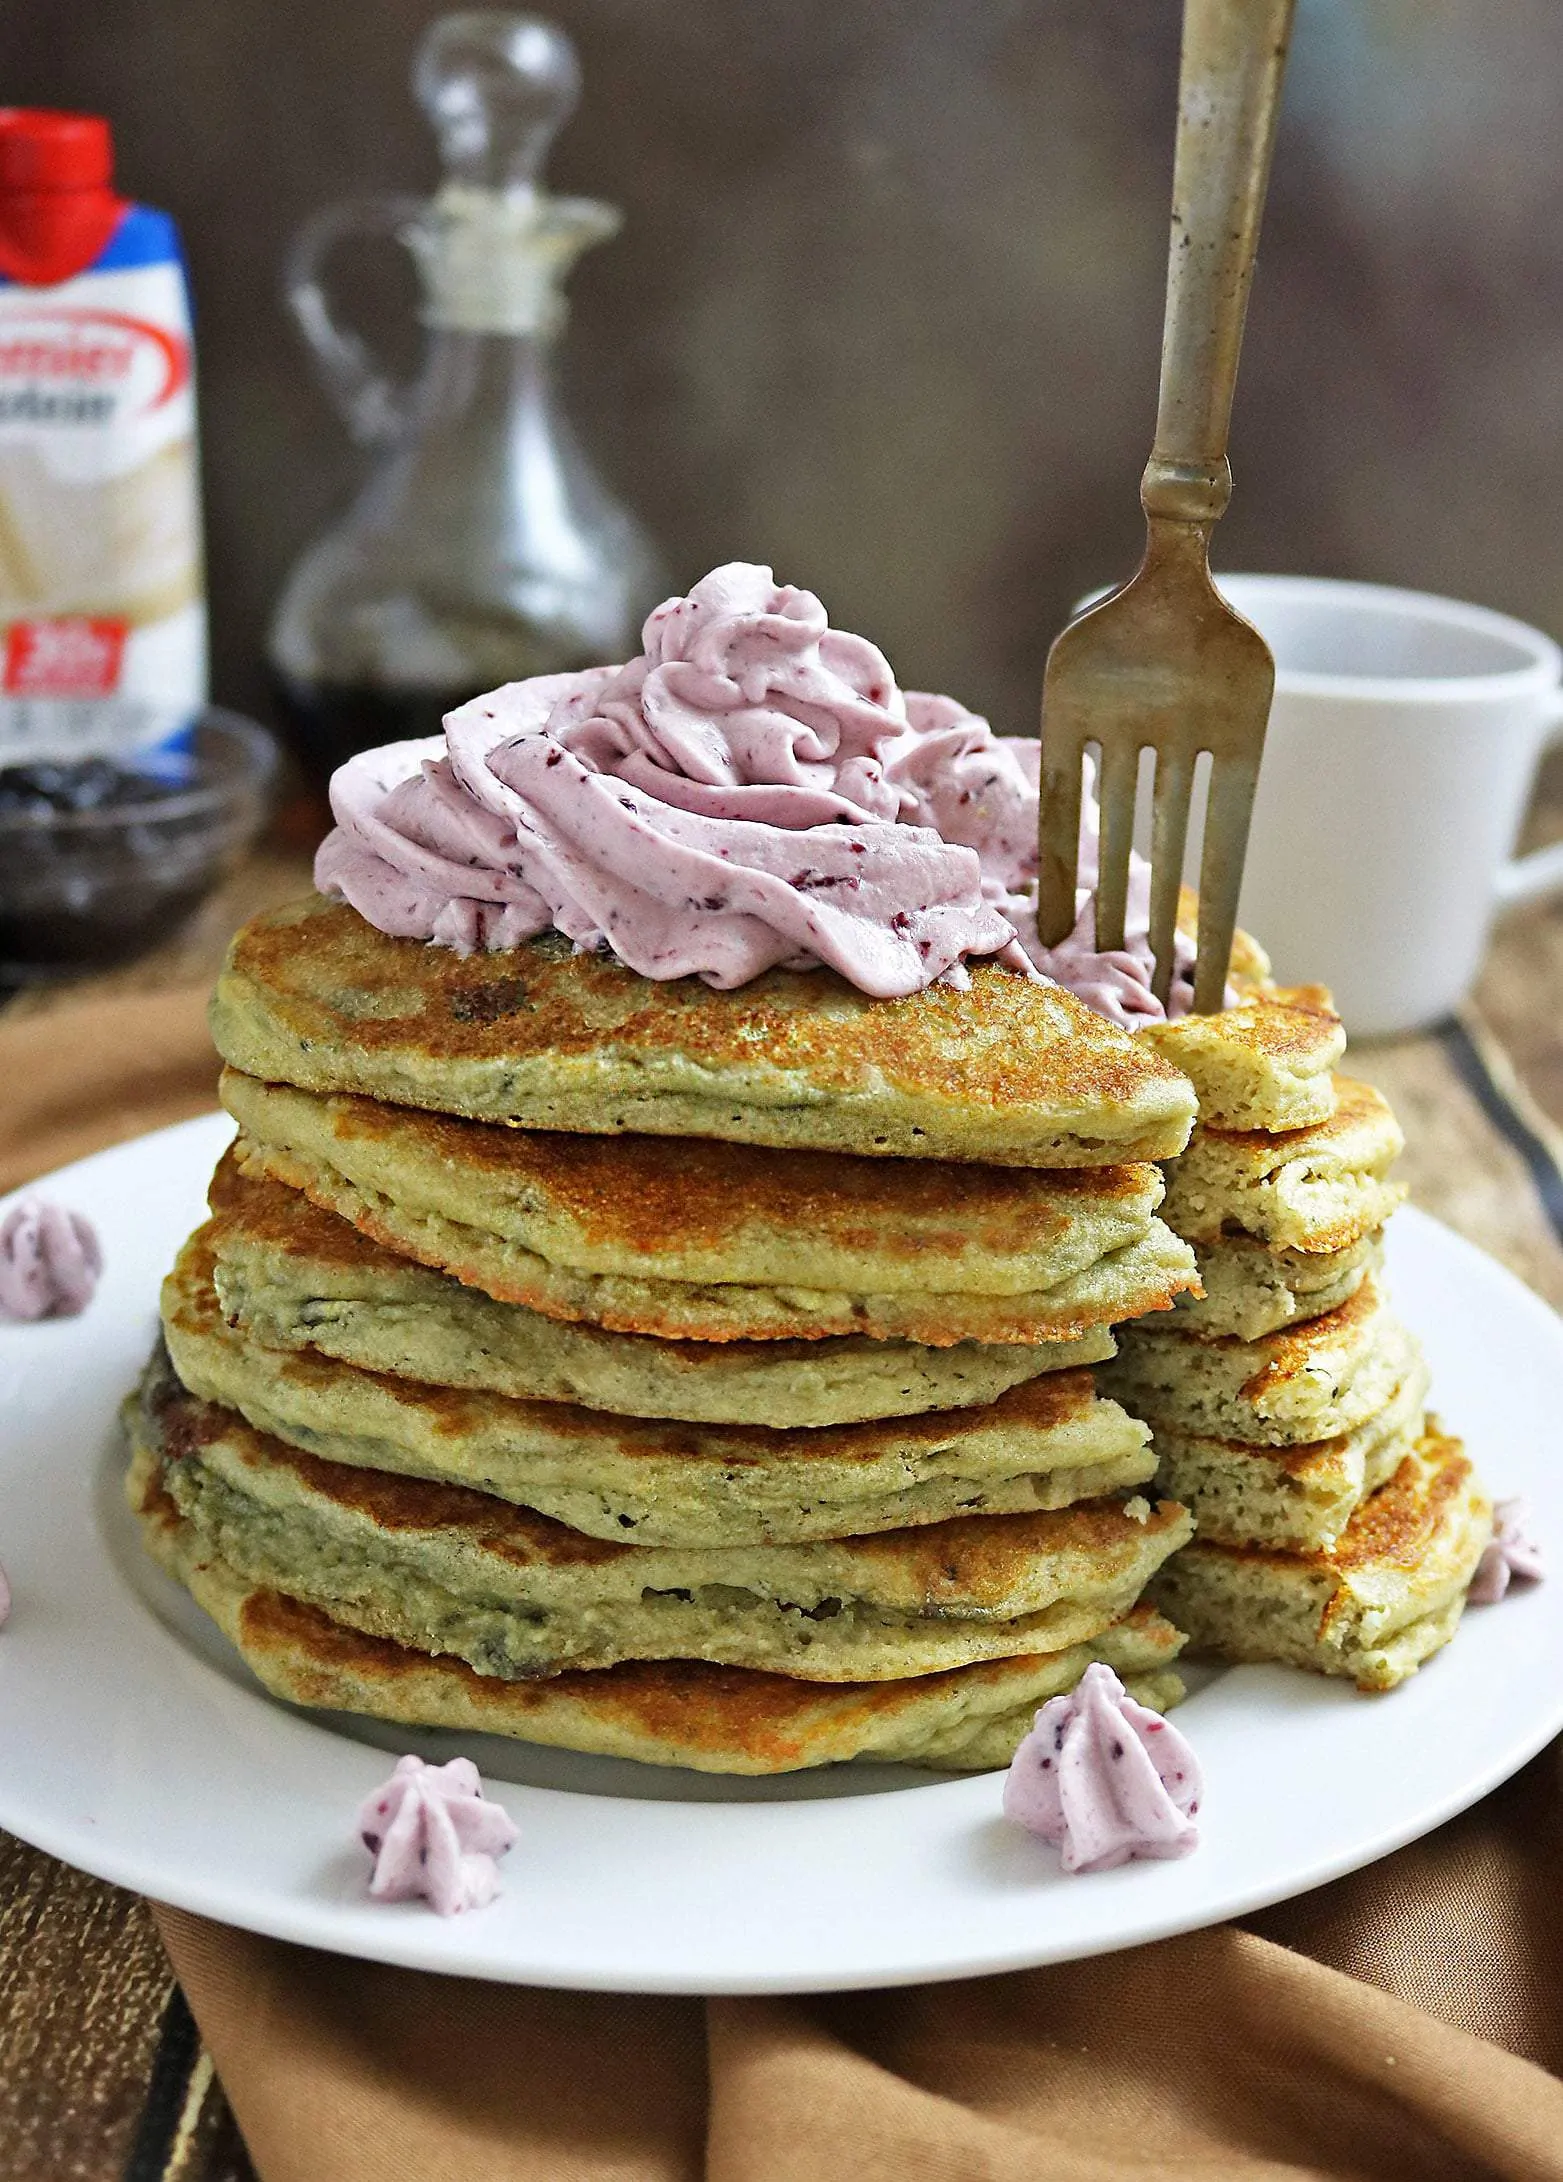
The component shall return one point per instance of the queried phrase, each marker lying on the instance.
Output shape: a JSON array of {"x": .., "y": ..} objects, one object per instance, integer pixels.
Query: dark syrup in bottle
[{"x": 330, "y": 721}]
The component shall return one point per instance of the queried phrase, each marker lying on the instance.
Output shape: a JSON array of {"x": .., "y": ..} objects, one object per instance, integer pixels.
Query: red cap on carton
[{"x": 57, "y": 209}]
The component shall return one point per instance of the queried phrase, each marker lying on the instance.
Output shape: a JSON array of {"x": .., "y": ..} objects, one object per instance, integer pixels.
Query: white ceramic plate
[{"x": 134, "y": 1743}]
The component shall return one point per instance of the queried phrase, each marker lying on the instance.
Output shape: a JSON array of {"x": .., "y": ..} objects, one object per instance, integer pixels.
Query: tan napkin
[
  {"x": 77, "y": 1078},
  {"x": 1398, "y": 2024}
]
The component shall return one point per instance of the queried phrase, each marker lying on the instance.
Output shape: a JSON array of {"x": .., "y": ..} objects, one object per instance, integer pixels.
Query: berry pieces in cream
[
  {"x": 1512, "y": 1553},
  {"x": 433, "y": 1832},
  {"x": 753, "y": 790},
  {"x": 50, "y": 1260},
  {"x": 720, "y": 805},
  {"x": 1104, "y": 1779}
]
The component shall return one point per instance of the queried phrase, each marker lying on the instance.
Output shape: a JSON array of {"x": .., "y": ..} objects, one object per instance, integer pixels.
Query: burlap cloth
[{"x": 1400, "y": 2023}]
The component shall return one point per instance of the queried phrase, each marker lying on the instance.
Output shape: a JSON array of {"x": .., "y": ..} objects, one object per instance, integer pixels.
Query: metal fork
[{"x": 1165, "y": 663}]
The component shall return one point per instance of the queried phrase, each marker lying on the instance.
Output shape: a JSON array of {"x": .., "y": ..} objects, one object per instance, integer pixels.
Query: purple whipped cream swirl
[
  {"x": 1511, "y": 1553},
  {"x": 1104, "y": 1779},
  {"x": 50, "y": 1260},
  {"x": 433, "y": 1832},
  {"x": 752, "y": 790}
]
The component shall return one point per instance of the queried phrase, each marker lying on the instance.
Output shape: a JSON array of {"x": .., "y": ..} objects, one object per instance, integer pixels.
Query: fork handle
[{"x": 1229, "y": 94}]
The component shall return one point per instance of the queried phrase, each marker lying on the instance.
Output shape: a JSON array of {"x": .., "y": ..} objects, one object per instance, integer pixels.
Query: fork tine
[
  {"x": 1058, "y": 849},
  {"x": 1232, "y": 784},
  {"x": 1169, "y": 833},
  {"x": 1117, "y": 787}
]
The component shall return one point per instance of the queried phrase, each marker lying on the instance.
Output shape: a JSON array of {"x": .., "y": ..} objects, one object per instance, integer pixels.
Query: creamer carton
[{"x": 102, "y": 609}]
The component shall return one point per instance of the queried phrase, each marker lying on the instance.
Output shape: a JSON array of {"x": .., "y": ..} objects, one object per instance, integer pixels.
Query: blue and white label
[{"x": 102, "y": 610}]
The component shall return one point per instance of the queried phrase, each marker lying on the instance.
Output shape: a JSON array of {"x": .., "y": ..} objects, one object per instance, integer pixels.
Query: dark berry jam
[{"x": 102, "y": 859}]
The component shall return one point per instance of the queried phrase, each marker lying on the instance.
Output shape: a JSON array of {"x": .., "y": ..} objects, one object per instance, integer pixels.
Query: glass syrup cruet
[{"x": 483, "y": 547}]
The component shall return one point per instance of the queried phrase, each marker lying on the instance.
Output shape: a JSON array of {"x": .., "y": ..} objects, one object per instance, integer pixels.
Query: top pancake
[
  {"x": 1263, "y": 1065},
  {"x": 1009, "y": 1072}
]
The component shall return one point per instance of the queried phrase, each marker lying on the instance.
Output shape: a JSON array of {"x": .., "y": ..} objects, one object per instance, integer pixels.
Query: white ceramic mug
[{"x": 1402, "y": 750}]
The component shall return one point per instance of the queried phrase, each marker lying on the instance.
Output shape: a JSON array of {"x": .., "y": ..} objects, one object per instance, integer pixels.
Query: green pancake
[
  {"x": 1296, "y": 1498},
  {"x": 444, "y": 1570},
  {"x": 1386, "y": 1596},
  {"x": 1318, "y": 1189},
  {"x": 1042, "y": 1445},
  {"x": 1309, "y": 1382},
  {"x": 291, "y": 1275},
  {"x": 1009, "y": 1071},
  {"x": 721, "y": 1242},
  {"x": 1251, "y": 1289},
  {"x": 657, "y": 1712}
]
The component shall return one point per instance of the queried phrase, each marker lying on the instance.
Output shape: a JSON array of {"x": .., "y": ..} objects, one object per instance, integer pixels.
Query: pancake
[
  {"x": 659, "y": 1712},
  {"x": 1265, "y": 1064},
  {"x": 1252, "y": 1290},
  {"x": 1042, "y": 1445},
  {"x": 1145, "y": 1275},
  {"x": 293, "y": 1276},
  {"x": 448, "y": 1571},
  {"x": 709, "y": 1214},
  {"x": 1010, "y": 1071},
  {"x": 1310, "y": 1382},
  {"x": 1299, "y": 1499},
  {"x": 1373, "y": 1608},
  {"x": 1318, "y": 1189}
]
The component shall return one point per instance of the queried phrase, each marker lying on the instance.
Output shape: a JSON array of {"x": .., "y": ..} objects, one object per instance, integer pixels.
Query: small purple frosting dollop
[
  {"x": 432, "y": 1831},
  {"x": 1513, "y": 1552},
  {"x": 1104, "y": 1779},
  {"x": 50, "y": 1260}
]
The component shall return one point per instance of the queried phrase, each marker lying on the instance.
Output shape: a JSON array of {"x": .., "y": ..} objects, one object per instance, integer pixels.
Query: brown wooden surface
[{"x": 84, "y": 1987}]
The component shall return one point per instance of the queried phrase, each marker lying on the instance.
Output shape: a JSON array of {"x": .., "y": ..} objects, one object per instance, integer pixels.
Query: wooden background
[{"x": 886, "y": 307}]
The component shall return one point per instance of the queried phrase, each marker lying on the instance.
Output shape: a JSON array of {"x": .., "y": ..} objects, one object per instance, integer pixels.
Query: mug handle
[{"x": 1528, "y": 878}]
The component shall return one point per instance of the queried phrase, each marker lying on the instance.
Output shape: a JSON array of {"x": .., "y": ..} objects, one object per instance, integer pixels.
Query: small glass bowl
[{"x": 90, "y": 889}]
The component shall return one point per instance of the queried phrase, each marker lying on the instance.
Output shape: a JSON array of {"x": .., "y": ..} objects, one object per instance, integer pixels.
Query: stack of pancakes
[
  {"x": 1338, "y": 1528},
  {"x": 680, "y": 1374}
]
